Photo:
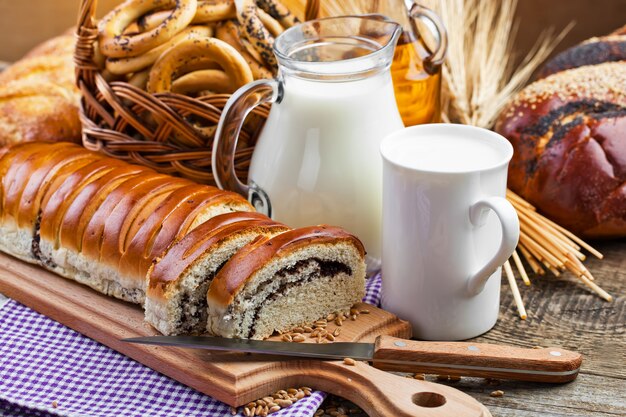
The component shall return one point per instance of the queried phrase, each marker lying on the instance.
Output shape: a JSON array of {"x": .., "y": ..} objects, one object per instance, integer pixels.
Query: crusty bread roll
[
  {"x": 38, "y": 98},
  {"x": 569, "y": 135},
  {"x": 178, "y": 283},
  {"x": 292, "y": 278},
  {"x": 94, "y": 219},
  {"x": 55, "y": 69},
  {"x": 62, "y": 45},
  {"x": 591, "y": 52}
]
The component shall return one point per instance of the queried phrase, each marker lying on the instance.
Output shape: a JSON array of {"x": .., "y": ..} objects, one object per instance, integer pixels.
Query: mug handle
[
  {"x": 510, "y": 236},
  {"x": 237, "y": 108},
  {"x": 436, "y": 58}
]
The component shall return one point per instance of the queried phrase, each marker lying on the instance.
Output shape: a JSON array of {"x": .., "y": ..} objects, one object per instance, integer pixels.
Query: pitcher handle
[
  {"x": 436, "y": 58},
  {"x": 237, "y": 108},
  {"x": 510, "y": 235}
]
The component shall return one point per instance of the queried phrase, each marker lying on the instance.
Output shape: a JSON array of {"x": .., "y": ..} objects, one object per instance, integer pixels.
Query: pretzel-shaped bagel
[
  {"x": 137, "y": 63},
  {"x": 191, "y": 53},
  {"x": 115, "y": 44}
]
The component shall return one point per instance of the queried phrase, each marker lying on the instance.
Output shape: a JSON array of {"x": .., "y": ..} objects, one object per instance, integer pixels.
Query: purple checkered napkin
[
  {"x": 43, "y": 363},
  {"x": 373, "y": 287}
]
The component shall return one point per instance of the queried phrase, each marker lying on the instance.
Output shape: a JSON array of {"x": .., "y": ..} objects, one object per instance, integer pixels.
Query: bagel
[
  {"x": 255, "y": 32},
  {"x": 228, "y": 32},
  {"x": 215, "y": 11},
  {"x": 115, "y": 44},
  {"x": 270, "y": 23},
  {"x": 207, "y": 11},
  {"x": 207, "y": 131},
  {"x": 279, "y": 12},
  {"x": 192, "y": 52},
  {"x": 109, "y": 77},
  {"x": 98, "y": 58},
  {"x": 213, "y": 80},
  {"x": 147, "y": 22},
  {"x": 138, "y": 63},
  {"x": 139, "y": 79},
  {"x": 247, "y": 46}
]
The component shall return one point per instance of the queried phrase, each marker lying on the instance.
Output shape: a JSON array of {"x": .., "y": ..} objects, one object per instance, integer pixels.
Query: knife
[{"x": 389, "y": 353}]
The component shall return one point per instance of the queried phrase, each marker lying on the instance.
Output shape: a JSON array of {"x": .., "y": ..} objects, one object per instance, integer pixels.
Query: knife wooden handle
[{"x": 477, "y": 359}]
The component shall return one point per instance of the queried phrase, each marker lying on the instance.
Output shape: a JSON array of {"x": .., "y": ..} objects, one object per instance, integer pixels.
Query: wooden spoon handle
[
  {"x": 381, "y": 394},
  {"x": 477, "y": 359}
]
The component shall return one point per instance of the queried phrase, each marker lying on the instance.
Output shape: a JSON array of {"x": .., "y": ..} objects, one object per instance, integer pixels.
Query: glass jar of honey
[{"x": 416, "y": 68}]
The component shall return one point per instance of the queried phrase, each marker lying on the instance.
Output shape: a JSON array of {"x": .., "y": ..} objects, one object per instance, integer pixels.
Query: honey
[{"x": 417, "y": 92}]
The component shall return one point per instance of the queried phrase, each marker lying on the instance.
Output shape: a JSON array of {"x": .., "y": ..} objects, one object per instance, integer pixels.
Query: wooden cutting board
[{"x": 233, "y": 378}]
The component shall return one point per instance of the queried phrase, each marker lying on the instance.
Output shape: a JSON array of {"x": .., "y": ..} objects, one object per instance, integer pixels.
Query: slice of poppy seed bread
[
  {"x": 178, "y": 283},
  {"x": 276, "y": 283}
]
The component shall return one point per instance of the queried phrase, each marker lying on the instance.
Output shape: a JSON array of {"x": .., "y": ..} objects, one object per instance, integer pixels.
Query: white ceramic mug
[{"x": 447, "y": 228}]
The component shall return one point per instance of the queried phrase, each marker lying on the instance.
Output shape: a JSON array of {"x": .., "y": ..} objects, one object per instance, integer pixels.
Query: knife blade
[{"x": 553, "y": 365}]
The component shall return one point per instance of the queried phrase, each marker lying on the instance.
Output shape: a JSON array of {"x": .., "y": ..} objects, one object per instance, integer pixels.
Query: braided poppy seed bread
[
  {"x": 273, "y": 284},
  {"x": 26, "y": 178},
  {"x": 569, "y": 135},
  {"x": 193, "y": 253},
  {"x": 94, "y": 219},
  {"x": 176, "y": 300}
]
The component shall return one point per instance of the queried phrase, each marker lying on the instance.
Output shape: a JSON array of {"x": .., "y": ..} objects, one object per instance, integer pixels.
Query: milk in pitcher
[
  {"x": 326, "y": 161},
  {"x": 317, "y": 159}
]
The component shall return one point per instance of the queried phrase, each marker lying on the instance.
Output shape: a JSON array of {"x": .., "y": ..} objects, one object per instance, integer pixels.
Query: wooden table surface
[{"x": 563, "y": 312}]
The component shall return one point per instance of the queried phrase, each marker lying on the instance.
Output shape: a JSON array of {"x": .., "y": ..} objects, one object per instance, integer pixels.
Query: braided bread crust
[{"x": 94, "y": 219}]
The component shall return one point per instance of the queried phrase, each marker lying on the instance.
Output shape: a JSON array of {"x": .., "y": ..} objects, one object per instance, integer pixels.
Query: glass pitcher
[
  {"x": 317, "y": 159},
  {"x": 416, "y": 67}
]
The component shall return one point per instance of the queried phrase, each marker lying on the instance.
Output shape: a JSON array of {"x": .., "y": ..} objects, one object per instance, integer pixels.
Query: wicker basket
[{"x": 169, "y": 132}]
